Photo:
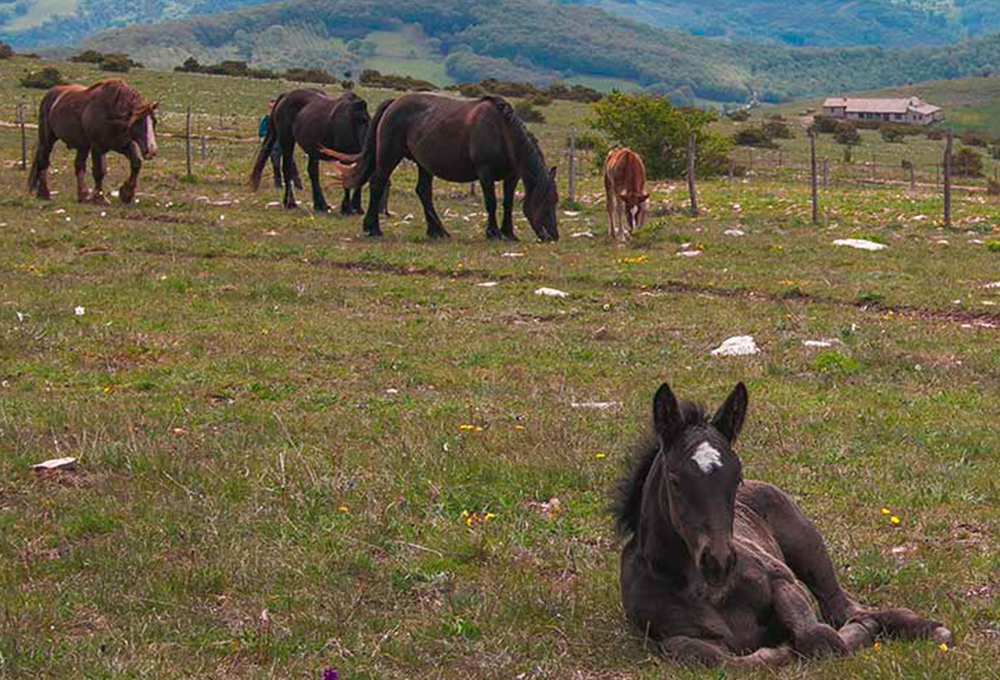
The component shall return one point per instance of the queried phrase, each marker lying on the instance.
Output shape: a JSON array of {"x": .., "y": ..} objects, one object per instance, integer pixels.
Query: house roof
[{"x": 900, "y": 106}]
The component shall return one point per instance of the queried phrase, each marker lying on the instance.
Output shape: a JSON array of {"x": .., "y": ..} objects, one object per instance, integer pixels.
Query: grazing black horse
[
  {"x": 713, "y": 565},
  {"x": 459, "y": 141},
  {"x": 315, "y": 121},
  {"x": 107, "y": 116}
]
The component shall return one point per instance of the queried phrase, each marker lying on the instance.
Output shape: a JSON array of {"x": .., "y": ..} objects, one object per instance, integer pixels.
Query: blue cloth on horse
[{"x": 263, "y": 128}]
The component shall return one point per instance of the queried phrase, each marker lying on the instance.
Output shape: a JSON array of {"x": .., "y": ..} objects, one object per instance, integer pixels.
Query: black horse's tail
[
  {"x": 264, "y": 152},
  {"x": 42, "y": 150},
  {"x": 364, "y": 166}
]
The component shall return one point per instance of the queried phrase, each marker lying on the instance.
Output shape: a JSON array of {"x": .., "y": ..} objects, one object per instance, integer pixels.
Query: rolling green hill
[
  {"x": 887, "y": 23},
  {"x": 539, "y": 40}
]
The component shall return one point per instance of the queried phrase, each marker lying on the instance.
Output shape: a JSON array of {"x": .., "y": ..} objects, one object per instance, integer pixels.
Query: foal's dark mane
[
  {"x": 627, "y": 495},
  {"x": 534, "y": 169}
]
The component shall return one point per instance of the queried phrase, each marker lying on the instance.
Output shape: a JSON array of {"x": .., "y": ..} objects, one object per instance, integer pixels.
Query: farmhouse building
[{"x": 913, "y": 110}]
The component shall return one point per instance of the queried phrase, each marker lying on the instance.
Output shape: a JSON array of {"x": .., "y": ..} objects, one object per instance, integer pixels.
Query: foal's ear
[
  {"x": 729, "y": 418},
  {"x": 552, "y": 173},
  {"x": 666, "y": 412},
  {"x": 153, "y": 106}
]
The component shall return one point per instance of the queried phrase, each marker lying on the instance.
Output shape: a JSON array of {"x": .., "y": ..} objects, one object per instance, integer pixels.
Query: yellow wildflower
[
  {"x": 877, "y": 646},
  {"x": 885, "y": 511},
  {"x": 342, "y": 508},
  {"x": 599, "y": 456},
  {"x": 489, "y": 516},
  {"x": 943, "y": 646},
  {"x": 894, "y": 519}
]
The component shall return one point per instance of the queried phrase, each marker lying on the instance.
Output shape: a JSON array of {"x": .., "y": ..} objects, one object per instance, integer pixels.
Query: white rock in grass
[
  {"x": 734, "y": 232},
  {"x": 583, "y": 234},
  {"x": 740, "y": 345},
  {"x": 55, "y": 464},
  {"x": 995, "y": 284},
  {"x": 570, "y": 213},
  {"x": 488, "y": 284},
  {"x": 860, "y": 244},
  {"x": 79, "y": 311},
  {"x": 551, "y": 292},
  {"x": 821, "y": 343},
  {"x": 512, "y": 255},
  {"x": 598, "y": 405},
  {"x": 689, "y": 253}
]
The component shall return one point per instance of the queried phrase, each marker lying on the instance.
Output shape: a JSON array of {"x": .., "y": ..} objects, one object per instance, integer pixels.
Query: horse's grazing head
[
  {"x": 635, "y": 207},
  {"x": 540, "y": 202},
  {"x": 699, "y": 477},
  {"x": 142, "y": 129},
  {"x": 358, "y": 120}
]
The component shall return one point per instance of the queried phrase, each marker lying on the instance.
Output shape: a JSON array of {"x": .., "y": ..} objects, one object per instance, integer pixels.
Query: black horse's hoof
[
  {"x": 508, "y": 236},
  {"x": 493, "y": 235}
]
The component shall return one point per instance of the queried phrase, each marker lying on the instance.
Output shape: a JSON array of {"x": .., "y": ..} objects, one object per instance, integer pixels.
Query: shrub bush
[
  {"x": 754, "y": 136},
  {"x": 825, "y": 125},
  {"x": 527, "y": 112},
  {"x": 846, "y": 133},
  {"x": 738, "y": 115},
  {"x": 43, "y": 79},
  {"x": 892, "y": 135},
  {"x": 88, "y": 57},
  {"x": 967, "y": 163},
  {"x": 777, "y": 129},
  {"x": 6, "y": 51}
]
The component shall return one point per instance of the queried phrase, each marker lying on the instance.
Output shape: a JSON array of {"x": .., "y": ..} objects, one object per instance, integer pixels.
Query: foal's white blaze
[
  {"x": 150, "y": 136},
  {"x": 707, "y": 458}
]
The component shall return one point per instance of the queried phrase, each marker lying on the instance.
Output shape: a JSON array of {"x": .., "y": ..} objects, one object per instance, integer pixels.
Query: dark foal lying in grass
[{"x": 713, "y": 565}]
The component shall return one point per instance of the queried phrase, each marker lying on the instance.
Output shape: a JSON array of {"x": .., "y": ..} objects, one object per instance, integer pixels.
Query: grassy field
[{"x": 290, "y": 436}]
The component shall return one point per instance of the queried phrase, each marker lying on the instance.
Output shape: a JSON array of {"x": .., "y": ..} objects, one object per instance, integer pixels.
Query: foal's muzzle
[{"x": 716, "y": 571}]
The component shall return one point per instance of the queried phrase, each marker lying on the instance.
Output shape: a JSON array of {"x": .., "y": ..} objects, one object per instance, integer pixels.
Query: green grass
[{"x": 268, "y": 410}]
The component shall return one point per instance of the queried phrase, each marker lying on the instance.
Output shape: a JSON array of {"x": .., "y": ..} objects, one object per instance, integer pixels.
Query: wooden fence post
[
  {"x": 913, "y": 177},
  {"x": 947, "y": 181},
  {"x": 187, "y": 142},
  {"x": 24, "y": 137},
  {"x": 692, "y": 190},
  {"x": 826, "y": 172},
  {"x": 813, "y": 177},
  {"x": 204, "y": 150},
  {"x": 572, "y": 165}
]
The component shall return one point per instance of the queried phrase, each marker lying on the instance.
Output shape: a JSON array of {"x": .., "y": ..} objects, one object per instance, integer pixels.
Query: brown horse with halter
[
  {"x": 716, "y": 568},
  {"x": 107, "y": 116},
  {"x": 459, "y": 141}
]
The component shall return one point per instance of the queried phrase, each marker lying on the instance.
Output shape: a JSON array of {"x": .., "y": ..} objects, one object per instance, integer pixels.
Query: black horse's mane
[
  {"x": 627, "y": 495},
  {"x": 535, "y": 171}
]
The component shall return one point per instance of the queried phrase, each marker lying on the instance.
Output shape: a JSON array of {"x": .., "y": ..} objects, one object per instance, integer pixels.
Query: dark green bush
[
  {"x": 88, "y": 57},
  {"x": 527, "y": 112},
  {"x": 777, "y": 129},
  {"x": 43, "y": 79},
  {"x": 754, "y": 136},
  {"x": 967, "y": 163},
  {"x": 6, "y": 51},
  {"x": 846, "y": 133},
  {"x": 825, "y": 125}
]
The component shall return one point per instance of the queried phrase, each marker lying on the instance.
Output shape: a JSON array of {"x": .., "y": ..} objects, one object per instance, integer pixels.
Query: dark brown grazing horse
[
  {"x": 459, "y": 141},
  {"x": 713, "y": 565},
  {"x": 314, "y": 120},
  {"x": 107, "y": 116}
]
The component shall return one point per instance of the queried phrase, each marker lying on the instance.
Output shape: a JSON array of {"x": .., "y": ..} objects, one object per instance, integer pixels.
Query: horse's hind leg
[
  {"x": 97, "y": 166},
  {"x": 345, "y": 204},
  {"x": 425, "y": 191},
  {"x": 80, "y": 167},
  {"x": 509, "y": 190},
  {"x": 127, "y": 190},
  {"x": 319, "y": 201},
  {"x": 803, "y": 549},
  {"x": 609, "y": 200}
]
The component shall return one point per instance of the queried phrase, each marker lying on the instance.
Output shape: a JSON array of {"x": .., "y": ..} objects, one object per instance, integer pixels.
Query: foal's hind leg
[
  {"x": 80, "y": 167},
  {"x": 803, "y": 549},
  {"x": 425, "y": 190}
]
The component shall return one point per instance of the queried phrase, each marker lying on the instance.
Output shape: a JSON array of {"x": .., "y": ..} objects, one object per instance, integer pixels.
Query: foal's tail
[
  {"x": 42, "y": 150},
  {"x": 362, "y": 165}
]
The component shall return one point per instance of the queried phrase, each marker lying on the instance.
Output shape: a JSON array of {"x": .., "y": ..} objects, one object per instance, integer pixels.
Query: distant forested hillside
[
  {"x": 539, "y": 38},
  {"x": 885, "y": 23}
]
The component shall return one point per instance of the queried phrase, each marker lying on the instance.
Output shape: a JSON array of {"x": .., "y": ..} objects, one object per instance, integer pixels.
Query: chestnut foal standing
[{"x": 625, "y": 190}]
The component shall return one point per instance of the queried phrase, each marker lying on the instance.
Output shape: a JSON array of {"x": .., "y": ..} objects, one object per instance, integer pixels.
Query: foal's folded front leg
[
  {"x": 694, "y": 650},
  {"x": 810, "y": 637}
]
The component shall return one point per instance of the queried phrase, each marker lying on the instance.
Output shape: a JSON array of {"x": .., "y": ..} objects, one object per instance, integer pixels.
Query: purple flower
[{"x": 330, "y": 674}]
